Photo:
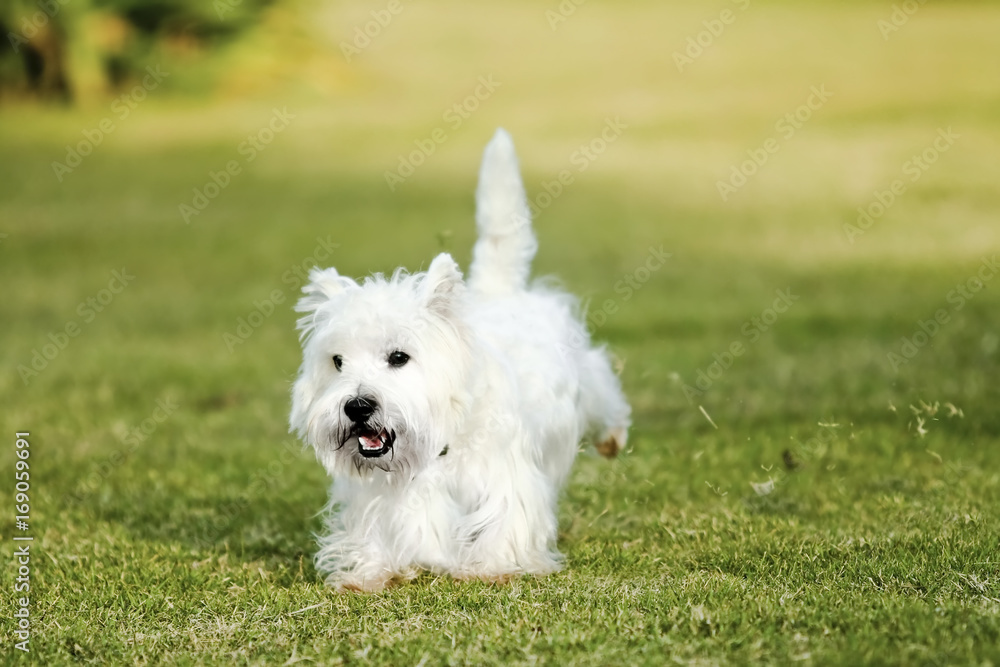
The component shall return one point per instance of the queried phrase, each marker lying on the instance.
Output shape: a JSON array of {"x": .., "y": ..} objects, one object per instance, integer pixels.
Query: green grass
[{"x": 878, "y": 544}]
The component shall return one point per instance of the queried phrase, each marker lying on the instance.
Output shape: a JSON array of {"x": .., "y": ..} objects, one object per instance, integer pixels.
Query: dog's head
[{"x": 383, "y": 369}]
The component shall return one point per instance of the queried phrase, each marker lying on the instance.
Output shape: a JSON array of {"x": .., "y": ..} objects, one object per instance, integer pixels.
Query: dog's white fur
[{"x": 501, "y": 386}]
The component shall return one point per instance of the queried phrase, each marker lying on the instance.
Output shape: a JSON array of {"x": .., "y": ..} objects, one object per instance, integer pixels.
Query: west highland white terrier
[{"x": 449, "y": 412}]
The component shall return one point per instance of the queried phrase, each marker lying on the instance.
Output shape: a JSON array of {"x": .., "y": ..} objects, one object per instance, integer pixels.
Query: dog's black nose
[{"x": 359, "y": 409}]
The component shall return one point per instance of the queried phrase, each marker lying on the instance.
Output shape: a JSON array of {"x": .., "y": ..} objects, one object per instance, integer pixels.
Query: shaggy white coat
[{"x": 501, "y": 386}]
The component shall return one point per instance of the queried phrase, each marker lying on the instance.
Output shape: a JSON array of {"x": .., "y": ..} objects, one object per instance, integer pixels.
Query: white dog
[{"x": 449, "y": 413}]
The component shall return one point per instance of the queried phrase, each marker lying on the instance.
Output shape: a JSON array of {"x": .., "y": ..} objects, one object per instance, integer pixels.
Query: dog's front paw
[
  {"x": 499, "y": 578},
  {"x": 348, "y": 582},
  {"x": 368, "y": 581}
]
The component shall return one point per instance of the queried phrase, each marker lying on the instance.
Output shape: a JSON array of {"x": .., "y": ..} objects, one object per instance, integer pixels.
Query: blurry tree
[
  {"x": 38, "y": 41},
  {"x": 77, "y": 50}
]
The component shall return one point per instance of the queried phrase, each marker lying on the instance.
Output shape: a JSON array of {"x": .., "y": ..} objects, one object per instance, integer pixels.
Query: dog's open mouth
[{"x": 373, "y": 444}]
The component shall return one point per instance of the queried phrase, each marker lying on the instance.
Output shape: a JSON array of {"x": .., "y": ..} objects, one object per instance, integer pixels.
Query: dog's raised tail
[{"x": 501, "y": 258}]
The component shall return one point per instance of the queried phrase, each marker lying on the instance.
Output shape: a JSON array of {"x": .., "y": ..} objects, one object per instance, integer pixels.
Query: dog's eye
[
  {"x": 397, "y": 359},
  {"x": 338, "y": 361}
]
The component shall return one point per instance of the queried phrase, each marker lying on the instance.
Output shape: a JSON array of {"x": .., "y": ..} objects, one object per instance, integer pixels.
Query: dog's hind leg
[{"x": 604, "y": 407}]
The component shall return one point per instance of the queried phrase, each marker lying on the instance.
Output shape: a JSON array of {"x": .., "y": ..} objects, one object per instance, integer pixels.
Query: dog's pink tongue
[{"x": 370, "y": 442}]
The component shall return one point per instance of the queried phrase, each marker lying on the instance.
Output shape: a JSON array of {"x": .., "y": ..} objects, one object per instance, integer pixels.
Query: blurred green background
[{"x": 813, "y": 498}]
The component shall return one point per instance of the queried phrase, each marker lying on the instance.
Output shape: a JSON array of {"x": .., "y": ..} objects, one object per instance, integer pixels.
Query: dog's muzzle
[{"x": 373, "y": 441}]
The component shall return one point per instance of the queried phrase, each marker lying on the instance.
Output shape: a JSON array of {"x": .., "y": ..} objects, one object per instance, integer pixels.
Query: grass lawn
[{"x": 810, "y": 498}]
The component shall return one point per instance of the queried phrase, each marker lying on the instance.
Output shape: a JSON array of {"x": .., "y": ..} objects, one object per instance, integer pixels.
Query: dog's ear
[
  {"x": 324, "y": 284},
  {"x": 442, "y": 284}
]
